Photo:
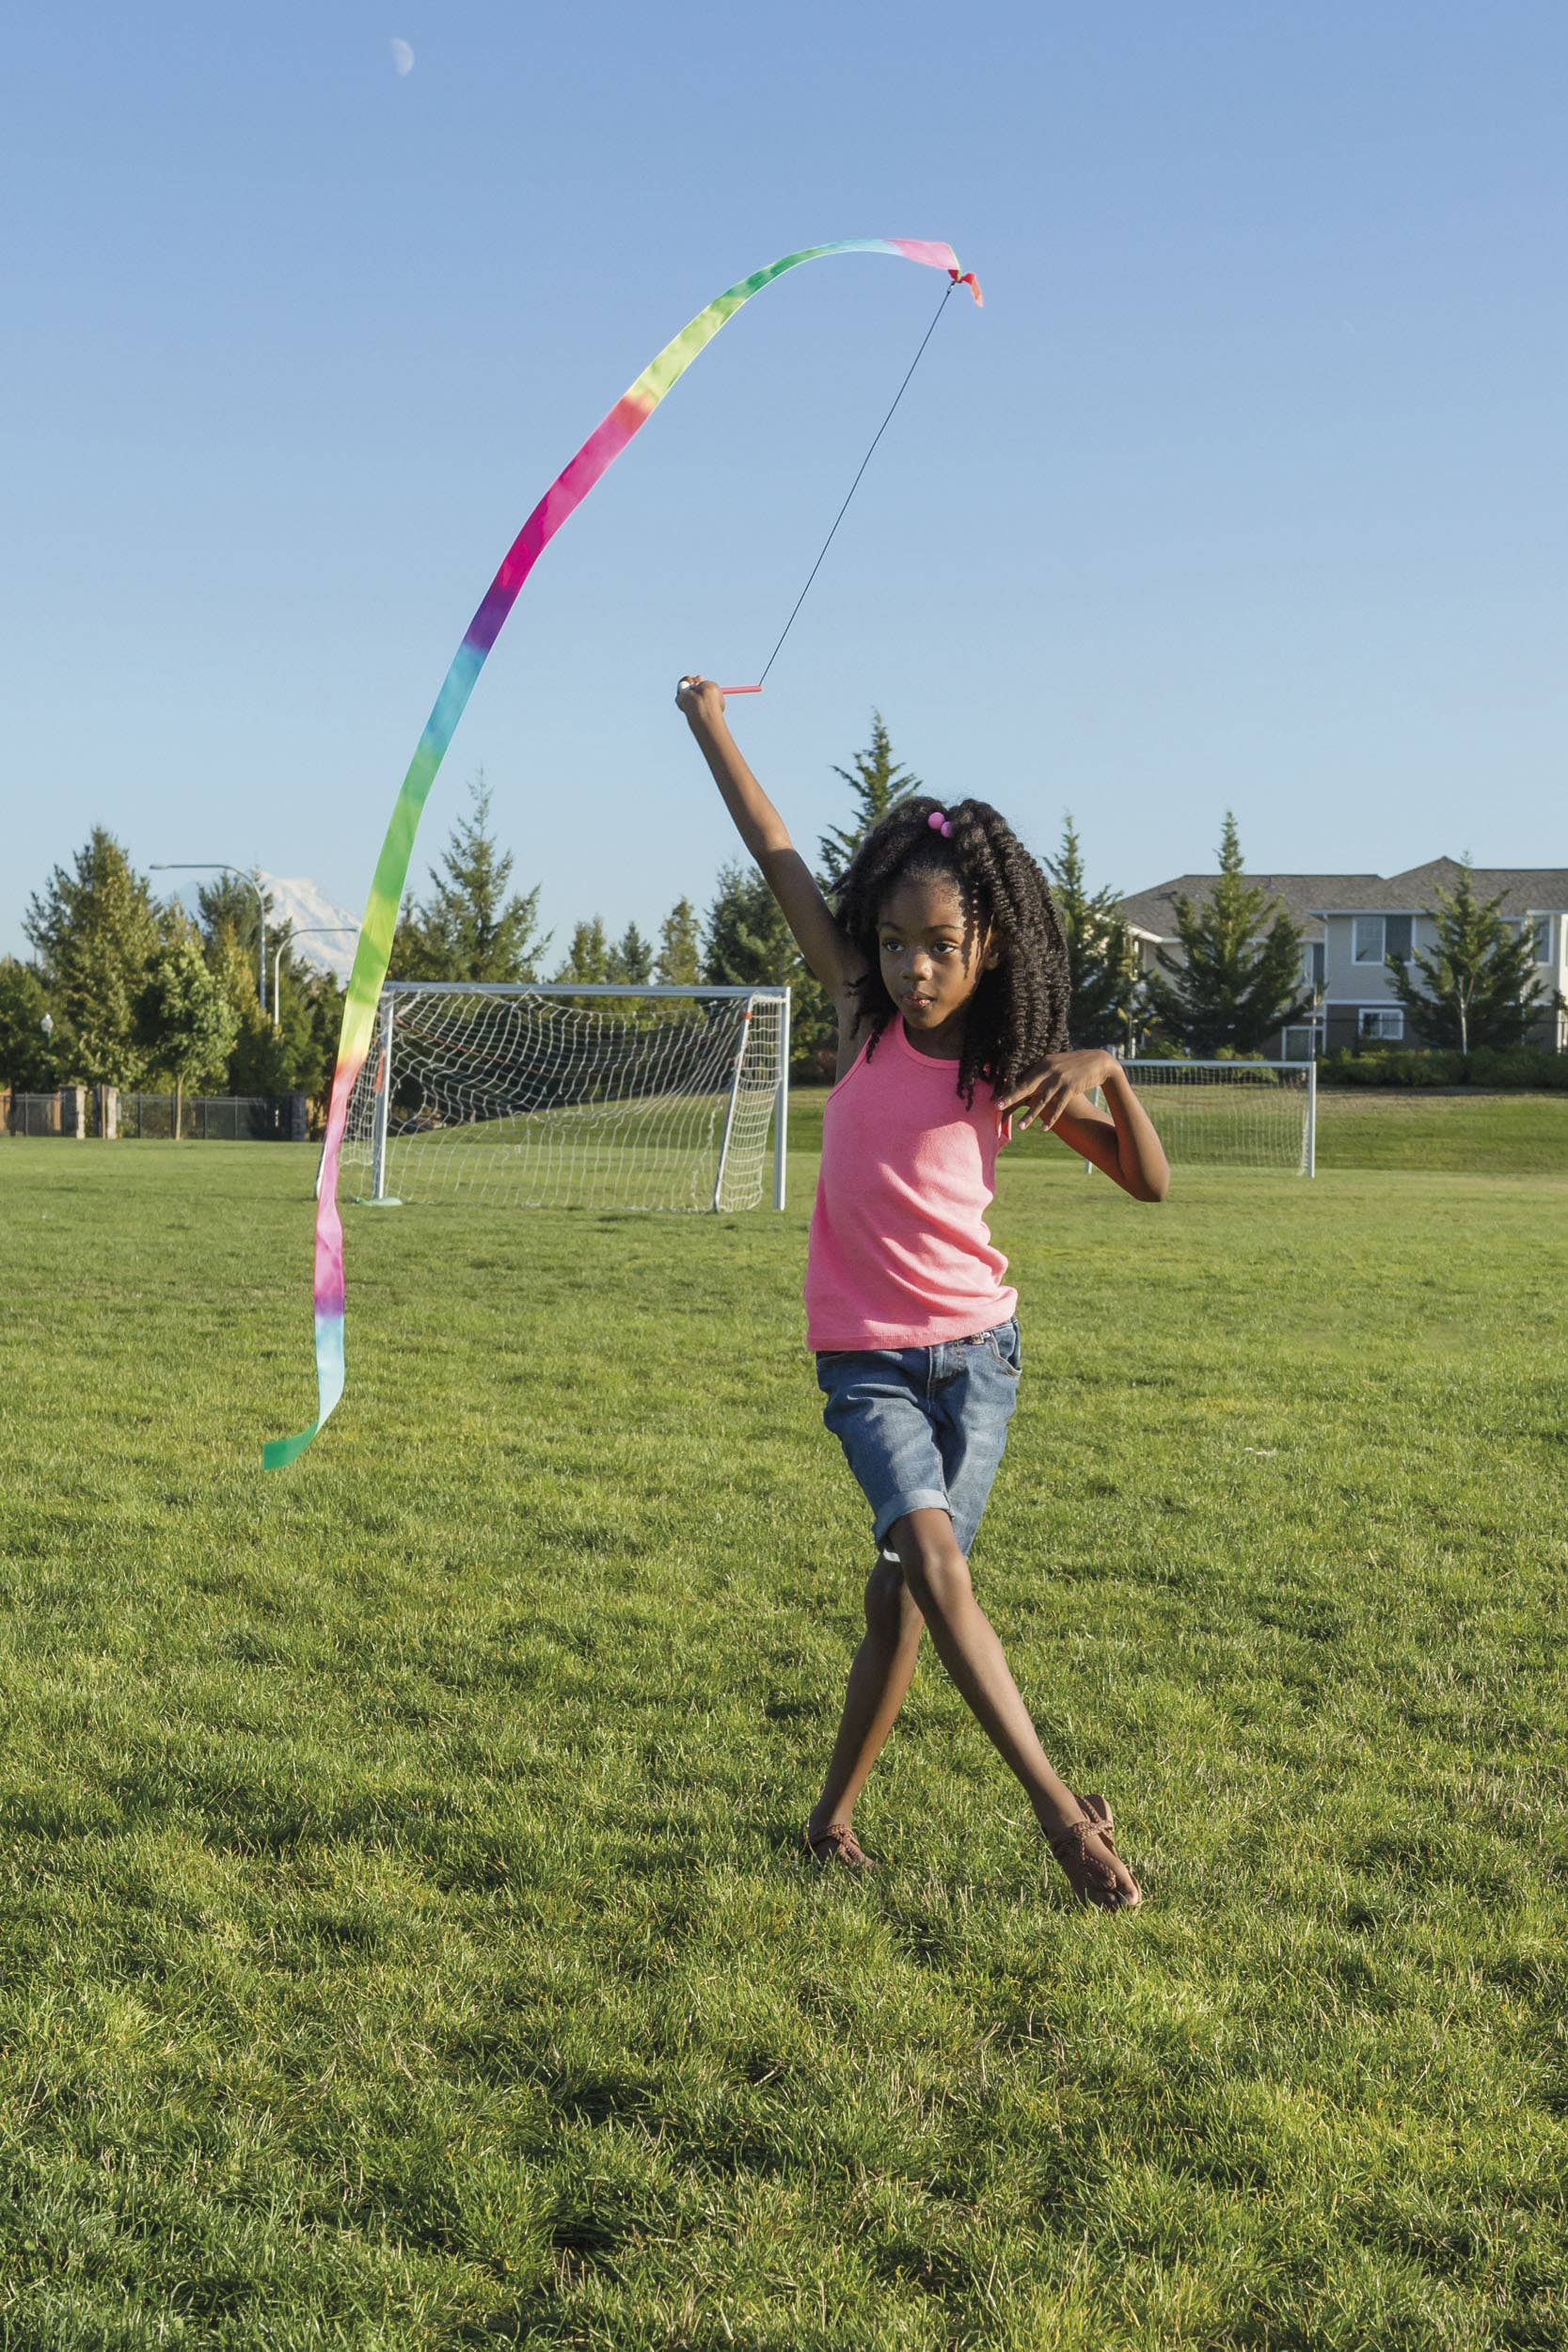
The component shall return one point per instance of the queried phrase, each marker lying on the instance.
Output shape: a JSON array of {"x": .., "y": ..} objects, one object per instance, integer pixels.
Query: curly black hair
[{"x": 1019, "y": 1013}]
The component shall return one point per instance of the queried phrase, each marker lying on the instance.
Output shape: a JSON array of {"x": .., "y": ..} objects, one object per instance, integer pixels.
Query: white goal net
[
  {"x": 1233, "y": 1114},
  {"x": 563, "y": 1096}
]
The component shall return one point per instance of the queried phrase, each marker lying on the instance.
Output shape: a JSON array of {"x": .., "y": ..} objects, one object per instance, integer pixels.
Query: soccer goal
[
  {"x": 568, "y": 1096},
  {"x": 1233, "y": 1114}
]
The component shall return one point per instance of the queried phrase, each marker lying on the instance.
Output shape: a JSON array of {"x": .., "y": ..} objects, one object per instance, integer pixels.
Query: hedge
[{"x": 1489, "y": 1067}]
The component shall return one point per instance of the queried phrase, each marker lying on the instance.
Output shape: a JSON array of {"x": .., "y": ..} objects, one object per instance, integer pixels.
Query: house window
[
  {"x": 1380, "y": 935},
  {"x": 1381, "y": 1020},
  {"x": 1312, "y": 966},
  {"x": 1542, "y": 939}
]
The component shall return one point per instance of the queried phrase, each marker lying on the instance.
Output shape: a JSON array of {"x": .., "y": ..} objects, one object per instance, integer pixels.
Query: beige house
[{"x": 1352, "y": 921}]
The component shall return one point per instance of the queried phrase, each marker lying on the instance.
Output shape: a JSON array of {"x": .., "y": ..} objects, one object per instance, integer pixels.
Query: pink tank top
[{"x": 899, "y": 1254}]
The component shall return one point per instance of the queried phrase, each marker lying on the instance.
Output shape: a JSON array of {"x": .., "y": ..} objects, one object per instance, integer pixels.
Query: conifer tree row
[
  {"x": 108, "y": 954},
  {"x": 112, "y": 995}
]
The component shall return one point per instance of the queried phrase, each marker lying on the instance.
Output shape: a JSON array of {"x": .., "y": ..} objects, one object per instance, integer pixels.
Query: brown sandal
[
  {"x": 1082, "y": 1850},
  {"x": 843, "y": 1847},
  {"x": 1099, "y": 1811}
]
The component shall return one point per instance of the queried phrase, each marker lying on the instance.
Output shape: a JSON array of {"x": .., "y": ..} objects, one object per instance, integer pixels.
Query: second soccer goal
[{"x": 1233, "y": 1114}]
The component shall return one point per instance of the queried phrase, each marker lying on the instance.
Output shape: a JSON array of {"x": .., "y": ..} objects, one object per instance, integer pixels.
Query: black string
[{"x": 855, "y": 484}]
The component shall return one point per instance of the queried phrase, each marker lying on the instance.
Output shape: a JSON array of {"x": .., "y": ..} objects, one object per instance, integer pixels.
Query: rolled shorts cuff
[{"x": 915, "y": 1499}]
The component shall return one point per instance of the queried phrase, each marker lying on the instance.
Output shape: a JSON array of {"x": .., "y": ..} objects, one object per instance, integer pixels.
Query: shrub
[{"x": 1488, "y": 1067}]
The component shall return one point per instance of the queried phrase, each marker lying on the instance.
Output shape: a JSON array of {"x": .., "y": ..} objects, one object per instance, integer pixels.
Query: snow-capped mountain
[{"x": 307, "y": 906}]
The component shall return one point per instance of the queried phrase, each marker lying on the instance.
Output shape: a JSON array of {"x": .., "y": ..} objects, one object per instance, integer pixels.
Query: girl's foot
[
  {"x": 836, "y": 1842},
  {"x": 1087, "y": 1851}
]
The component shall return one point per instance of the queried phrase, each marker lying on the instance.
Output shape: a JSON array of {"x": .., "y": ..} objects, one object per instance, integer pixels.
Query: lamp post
[
  {"x": 307, "y": 930},
  {"x": 216, "y": 865}
]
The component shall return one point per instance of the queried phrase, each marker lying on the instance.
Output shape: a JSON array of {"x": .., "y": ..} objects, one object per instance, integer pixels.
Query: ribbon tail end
[{"x": 279, "y": 1452}]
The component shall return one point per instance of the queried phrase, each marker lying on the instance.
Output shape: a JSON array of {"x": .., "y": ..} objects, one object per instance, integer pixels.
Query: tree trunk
[{"x": 178, "y": 1096}]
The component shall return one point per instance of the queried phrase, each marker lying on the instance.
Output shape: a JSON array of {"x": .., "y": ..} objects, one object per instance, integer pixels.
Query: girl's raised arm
[{"x": 827, "y": 950}]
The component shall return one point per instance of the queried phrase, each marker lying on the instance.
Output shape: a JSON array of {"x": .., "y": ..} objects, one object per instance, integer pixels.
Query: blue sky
[{"x": 1244, "y": 490}]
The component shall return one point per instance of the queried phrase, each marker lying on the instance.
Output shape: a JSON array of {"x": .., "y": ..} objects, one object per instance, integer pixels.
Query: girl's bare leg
[
  {"x": 934, "y": 1589},
  {"x": 936, "y": 1574},
  {"x": 881, "y": 1675}
]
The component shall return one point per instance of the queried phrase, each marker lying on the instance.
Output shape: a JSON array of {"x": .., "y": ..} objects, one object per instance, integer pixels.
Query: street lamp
[
  {"x": 216, "y": 865},
  {"x": 307, "y": 930}
]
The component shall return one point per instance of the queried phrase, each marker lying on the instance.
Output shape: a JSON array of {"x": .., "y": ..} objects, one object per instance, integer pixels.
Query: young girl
[{"x": 947, "y": 966}]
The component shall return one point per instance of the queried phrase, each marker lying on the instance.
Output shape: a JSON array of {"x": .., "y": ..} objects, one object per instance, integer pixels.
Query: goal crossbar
[{"x": 571, "y": 987}]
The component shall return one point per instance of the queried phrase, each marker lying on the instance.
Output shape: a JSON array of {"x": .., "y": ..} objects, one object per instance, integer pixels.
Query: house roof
[
  {"x": 1154, "y": 911},
  {"x": 1306, "y": 897},
  {"x": 1523, "y": 889}
]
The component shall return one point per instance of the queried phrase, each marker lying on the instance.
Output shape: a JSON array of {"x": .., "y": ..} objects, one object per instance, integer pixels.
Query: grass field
[
  {"x": 408, "y": 1941},
  {"x": 1407, "y": 1128}
]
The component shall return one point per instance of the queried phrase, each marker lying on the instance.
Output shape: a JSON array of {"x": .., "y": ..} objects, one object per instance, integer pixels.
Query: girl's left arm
[{"x": 1124, "y": 1145}]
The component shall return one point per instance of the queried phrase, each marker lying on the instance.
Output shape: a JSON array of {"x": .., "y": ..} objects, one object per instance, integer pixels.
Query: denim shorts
[{"x": 923, "y": 1428}]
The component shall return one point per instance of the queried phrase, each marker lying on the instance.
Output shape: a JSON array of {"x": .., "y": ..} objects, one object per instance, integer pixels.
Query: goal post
[
  {"x": 383, "y": 1028},
  {"x": 1232, "y": 1114},
  {"x": 573, "y": 1094},
  {"x": 742, "y": 1041}
]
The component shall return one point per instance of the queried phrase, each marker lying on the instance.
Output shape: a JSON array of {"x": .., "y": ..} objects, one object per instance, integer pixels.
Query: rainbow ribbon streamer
[{"x": 565, "y": 495}]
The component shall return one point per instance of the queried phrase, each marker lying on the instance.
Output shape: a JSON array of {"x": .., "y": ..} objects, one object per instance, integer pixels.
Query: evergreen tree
[
  {"x": 26, "y": 1049},
  {"x": 749, "y": 942},
  {"x": 183, "y": 1015},
  {"x": 1479, "y": 984},
  {"x": 228, "y": 909},
  {"x": 255, "y": 1058},
  {"x": 293, "y": 1052},
  {"x": 747, "y": 939},
  {"x": 411, "y": 957},
  {"x": 323, "y": 1001},
  {"x": 588, "y": 957},
  {"x": 631, "y": 961},
  {"x": 878, "y": 784},
  {"x": 1101, "y": 965},
  {"x": 679, "y": 961},
  {"x": 1237, "y": 983},
  {"x": 273, "y": 1052},
  {"x": 96, "y": 929},
  {"x": 469, "y": 928}
]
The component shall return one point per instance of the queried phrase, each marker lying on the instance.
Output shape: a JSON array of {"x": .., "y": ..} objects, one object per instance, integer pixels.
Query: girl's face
[{"x": 930, "y": 966}]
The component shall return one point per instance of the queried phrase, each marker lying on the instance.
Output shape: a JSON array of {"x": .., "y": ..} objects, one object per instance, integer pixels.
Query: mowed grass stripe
[{"x": 406, "y": 1940}]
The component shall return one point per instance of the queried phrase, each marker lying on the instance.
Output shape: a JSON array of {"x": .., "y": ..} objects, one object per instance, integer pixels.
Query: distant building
[{"x": 1352, "y": 921}]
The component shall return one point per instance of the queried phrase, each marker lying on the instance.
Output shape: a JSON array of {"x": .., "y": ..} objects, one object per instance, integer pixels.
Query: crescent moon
[{"x": 403, "y": 56}]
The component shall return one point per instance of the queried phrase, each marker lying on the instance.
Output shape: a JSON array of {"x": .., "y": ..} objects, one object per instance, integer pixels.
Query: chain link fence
[
  {"x": 105, "y": 1113},
  {"x": 206, "y": 1118},
  {"x": 33, "y": 1115}
]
